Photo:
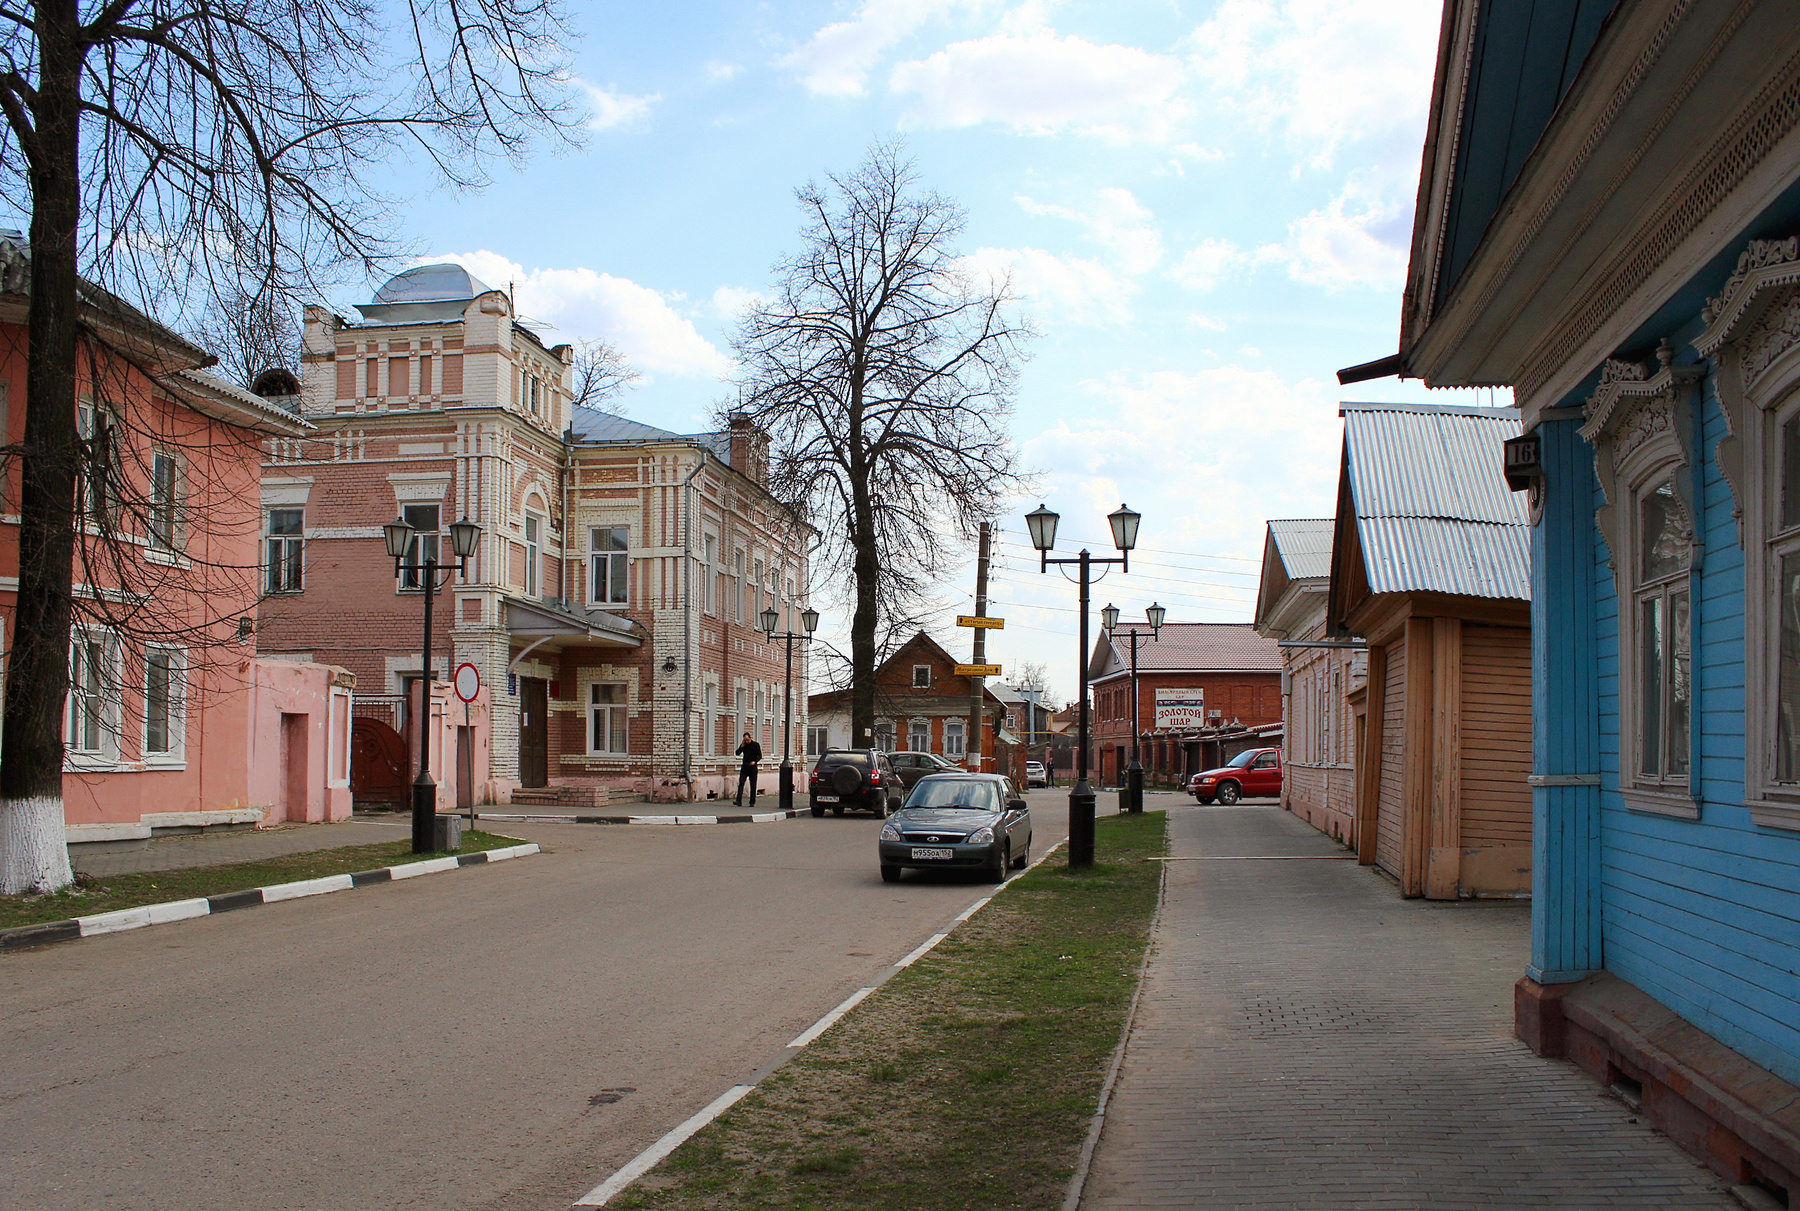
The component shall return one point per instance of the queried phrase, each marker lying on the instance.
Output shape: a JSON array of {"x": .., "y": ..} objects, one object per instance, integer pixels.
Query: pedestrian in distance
[{"x": 751, "y": 753}]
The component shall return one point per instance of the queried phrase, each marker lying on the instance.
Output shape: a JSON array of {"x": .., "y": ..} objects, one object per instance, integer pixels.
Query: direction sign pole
[{"x": 977, "y": 695}]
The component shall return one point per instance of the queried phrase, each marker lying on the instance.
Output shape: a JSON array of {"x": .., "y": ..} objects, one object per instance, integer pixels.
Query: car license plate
[
  {"x": 825, "y": 798},
  {"x": 921, "y": 854}
]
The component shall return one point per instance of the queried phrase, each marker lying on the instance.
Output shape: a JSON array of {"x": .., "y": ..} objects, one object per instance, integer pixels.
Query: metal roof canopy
[{"x": 1433, "y": 512}]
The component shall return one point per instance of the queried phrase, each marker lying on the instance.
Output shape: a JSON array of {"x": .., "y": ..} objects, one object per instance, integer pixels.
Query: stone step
[{"x": 562, "y": 796}]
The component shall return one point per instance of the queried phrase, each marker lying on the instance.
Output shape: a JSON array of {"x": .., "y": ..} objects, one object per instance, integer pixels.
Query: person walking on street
[{"x": 751, "y": 752}]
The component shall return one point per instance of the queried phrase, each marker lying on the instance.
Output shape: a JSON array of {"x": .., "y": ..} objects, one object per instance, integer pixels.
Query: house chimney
[{"x": 749, "y": 448}]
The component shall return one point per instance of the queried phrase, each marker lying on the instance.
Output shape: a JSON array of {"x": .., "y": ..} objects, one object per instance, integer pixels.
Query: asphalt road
[{"x": 436, "y": 1043}]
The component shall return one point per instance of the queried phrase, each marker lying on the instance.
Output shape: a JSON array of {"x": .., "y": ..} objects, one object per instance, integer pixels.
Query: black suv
[{"x": 862, "y": 778}]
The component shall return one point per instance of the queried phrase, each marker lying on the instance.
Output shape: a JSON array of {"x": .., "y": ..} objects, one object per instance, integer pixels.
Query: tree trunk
[
  {"x": 33, "y": 850},
  {"x": 865, "y": 571}
]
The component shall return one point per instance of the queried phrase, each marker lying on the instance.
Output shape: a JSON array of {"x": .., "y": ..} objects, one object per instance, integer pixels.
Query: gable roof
[
  {"x": 1187, "y": 647},
  {"x": 1431, "y": 508},
  {"x": 1296, "y": 563}
]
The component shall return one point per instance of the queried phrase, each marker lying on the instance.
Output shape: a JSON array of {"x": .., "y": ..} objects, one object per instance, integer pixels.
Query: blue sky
[{"x": 1205, "y": 208}]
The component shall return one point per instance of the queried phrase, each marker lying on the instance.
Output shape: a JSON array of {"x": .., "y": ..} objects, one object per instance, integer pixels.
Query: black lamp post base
[
  {"x": 786, "y": 784},
  {"x": 1134, "y": 789},
  {"x": 424, "y": 821},
  {"x": 1081, "y": 825}
]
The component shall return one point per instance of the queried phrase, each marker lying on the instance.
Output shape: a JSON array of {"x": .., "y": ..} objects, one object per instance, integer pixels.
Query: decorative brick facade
[{"x": 622, "y": 644}]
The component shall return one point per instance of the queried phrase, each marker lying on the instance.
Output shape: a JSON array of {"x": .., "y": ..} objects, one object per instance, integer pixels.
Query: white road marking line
[
  {"x": 922, "y": 951},
  {"x": 650, "y": 1157},
  {"x": 829, "y": 1020}
]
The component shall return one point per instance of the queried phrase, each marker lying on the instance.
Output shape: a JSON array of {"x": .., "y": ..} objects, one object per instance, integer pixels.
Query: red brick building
[
  {"x": 921, "y": 705},
  {"x": 611, "y": 606},
  {"x": 1230, "y": 674}
]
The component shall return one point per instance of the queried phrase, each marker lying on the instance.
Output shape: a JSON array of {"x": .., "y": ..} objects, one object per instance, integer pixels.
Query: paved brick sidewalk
[
  {"x": 245, "y": 845},
  {"x": 1306, "y": 1038}
]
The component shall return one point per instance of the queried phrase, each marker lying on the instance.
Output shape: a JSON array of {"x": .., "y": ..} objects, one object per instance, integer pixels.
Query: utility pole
[{"x": 977, "y": 697}]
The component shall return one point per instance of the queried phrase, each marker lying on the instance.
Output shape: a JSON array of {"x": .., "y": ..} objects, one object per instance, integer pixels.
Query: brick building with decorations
[
  {"x": 610, "y": 607},
  {"x": 1318, "y": 684},
  {"x": 921, "y": 706},
  {"x": 1226, "y": 666}
]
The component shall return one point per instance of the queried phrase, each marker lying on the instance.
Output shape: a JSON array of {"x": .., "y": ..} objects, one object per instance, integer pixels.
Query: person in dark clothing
[{"x": 751, "y": 753}]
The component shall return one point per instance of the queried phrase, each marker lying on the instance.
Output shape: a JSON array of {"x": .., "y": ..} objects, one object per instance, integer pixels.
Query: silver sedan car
[{"x": 958, "y": 820}]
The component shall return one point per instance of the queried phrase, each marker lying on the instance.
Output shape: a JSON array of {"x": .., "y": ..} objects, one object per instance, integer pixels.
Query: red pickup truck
[{"x": 1255, "y": 773}]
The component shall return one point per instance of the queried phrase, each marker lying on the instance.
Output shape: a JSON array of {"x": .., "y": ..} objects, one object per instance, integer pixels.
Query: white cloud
[
  {"x": 608, "y": 109},
  {"x": 837, "y": 59},
  {"x": 1058, "y": 289},
  {"x": 1358, "y": 239},
  {"x": 722, "y": 72},
  {"x": 1326, "y": 72},
  {"x": 1206, "y": 322},
  {"x": 1038, "y": 83},
  {"x": 1201, "y": 267},
  {"x": 585, "y": 304},
  {"x": 731, "y": 301},
  {"x": 1119, "y": 222}
]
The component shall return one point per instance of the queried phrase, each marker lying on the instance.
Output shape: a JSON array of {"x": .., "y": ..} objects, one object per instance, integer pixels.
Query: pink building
[{"x": 172, "y": 721}]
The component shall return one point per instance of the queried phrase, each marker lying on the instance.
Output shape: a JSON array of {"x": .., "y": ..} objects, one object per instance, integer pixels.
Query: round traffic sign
[{"x": 467, "y": 681}]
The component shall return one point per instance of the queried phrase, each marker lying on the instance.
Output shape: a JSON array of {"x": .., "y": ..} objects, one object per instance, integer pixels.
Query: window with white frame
[
  {"x": 921, "y": 676},
  {"x": 91, "y": 724},
  {"x": 610, "y": 553},
  {"x": 98, "y": 489},
  {"x": 918, "y": 738},
  {"x": 423, "y": 545},
  {"x": 818, "y": 739},
  {"x": 741, "y": 589},
  {"x": 165, "y": 703},
  {"x": 740, "y": 715},
  {"x": 1663, "y": 649},
  {"x": 532, "y": 526},
  {"x": 884, "y": 735},
  {"x": 165, "y": 500},
  {"x": 956, "y": 738},
  {"x": 709, "y": 744},
  {"x": 286, "y": 550},
  {"x": 607, "y": 723},
  {"x": 711, "y": 574}
]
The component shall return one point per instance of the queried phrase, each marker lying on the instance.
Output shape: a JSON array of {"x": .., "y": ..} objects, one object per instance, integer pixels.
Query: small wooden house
[{"x": 1431, "y": 563}]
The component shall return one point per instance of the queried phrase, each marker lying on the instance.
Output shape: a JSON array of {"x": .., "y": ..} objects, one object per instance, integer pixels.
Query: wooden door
[
  {"x": 534, "y": 732},
  {"x": 1391, "y": 793}
]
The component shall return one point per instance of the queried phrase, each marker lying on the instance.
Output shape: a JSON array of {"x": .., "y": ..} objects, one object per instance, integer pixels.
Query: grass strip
[
  {"x": 92, "y": 894},
  {"x": 967, "y": 1080}
]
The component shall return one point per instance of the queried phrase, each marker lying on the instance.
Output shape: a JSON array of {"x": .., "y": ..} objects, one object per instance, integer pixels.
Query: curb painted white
[
  {"x": 668, "y": 821},
  {"x": 183, "y": 910},
  {"x": 652, "y": 1156}
]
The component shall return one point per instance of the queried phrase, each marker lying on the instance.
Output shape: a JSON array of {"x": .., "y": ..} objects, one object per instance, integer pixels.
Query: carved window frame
[
  {"x": 1753, "y": 336},
  {"x": 1641, "y": 425}
]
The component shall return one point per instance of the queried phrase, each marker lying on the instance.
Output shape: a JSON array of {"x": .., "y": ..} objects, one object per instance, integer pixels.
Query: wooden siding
[
  {"x": 1392, "y": 801},
  {"x": 1496, "y": 736},
  {"x": 1701, "y": 914}
]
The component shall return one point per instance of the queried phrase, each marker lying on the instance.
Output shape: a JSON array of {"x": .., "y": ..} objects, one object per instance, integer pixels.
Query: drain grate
[{"x": 1278, "y": 1018}]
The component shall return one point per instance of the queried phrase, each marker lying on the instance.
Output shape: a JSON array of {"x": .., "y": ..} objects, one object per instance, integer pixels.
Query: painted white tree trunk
[{"x": 34, "y": 850}]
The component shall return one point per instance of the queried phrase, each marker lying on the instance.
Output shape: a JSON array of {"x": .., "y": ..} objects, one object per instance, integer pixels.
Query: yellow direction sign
[
  {"x": 980, "y": 623},
  {"x": 977, "y": 670}
]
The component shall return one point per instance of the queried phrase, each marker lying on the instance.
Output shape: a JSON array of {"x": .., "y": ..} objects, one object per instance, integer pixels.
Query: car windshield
[
  {"x": 1242, "y": 759},
  {"x": 954, "y": 792}
]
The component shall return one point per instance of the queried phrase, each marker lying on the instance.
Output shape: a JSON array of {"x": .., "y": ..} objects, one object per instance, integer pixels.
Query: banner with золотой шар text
[{"x": 1180, "y": 708}]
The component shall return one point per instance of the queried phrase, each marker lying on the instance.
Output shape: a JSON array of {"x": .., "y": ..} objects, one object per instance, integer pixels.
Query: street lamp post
[
  {"x": 1134, "y": 775},
  {"x": 809, "y": 618},
  {"x": 1042, "y": 524},
  {"x": 464, "y": 536}
]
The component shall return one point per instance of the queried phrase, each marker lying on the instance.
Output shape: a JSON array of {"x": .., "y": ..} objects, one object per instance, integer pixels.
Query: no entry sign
[{"x": 467, "y": 681}]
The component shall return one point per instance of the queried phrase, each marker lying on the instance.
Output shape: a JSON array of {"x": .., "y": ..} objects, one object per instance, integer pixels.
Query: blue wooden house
[{"x": 1607, "y": 220}]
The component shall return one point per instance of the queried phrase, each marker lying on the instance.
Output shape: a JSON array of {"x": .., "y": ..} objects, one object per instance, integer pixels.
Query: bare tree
[
  {"x": 601, "y": 375},
  {"x": 249, "y": 334},
  {"x": 177, "y": 150},
  {"x": 1033, "y": 678},
  {"x": 883, "y": 375}
]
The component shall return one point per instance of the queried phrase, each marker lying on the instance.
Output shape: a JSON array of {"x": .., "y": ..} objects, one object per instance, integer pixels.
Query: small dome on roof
[{"x": 431, "y": 284}]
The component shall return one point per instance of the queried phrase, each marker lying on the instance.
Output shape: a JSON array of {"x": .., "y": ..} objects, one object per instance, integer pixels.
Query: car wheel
[
  {"x": 893, "y": 805},
  {"x": 890, "y": 874},
  {"x": 996, "y": 871},
  {"x": 1229, "y": 793},
  {"x": 1203, "y": 800},
  {"x": 1024, "y": 858},
  {"x": 818, "y": 811}
]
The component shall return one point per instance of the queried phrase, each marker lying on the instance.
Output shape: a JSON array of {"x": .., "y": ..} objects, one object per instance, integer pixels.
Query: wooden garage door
[
  {"x": 1392, "y": 798},
  {"x": 1496, "y": 735}
]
